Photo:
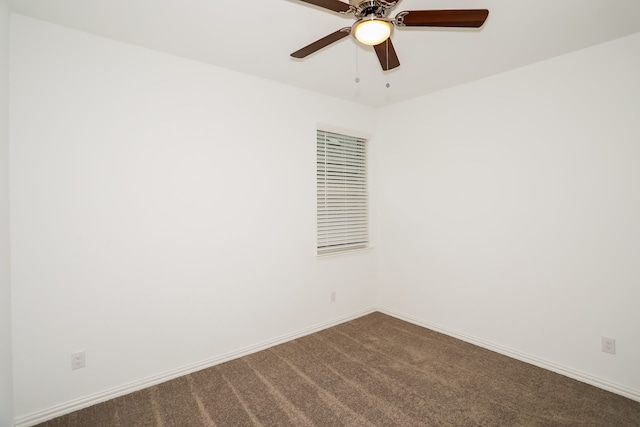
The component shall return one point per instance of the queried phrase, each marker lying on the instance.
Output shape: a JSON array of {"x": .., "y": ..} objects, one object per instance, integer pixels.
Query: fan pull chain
[
  {"x": 387, "y": 73},
  {"x": 357, "y": 71}
]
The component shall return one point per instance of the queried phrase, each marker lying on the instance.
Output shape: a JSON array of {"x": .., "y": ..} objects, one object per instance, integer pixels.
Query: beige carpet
[{"x": 372, "y": 371}]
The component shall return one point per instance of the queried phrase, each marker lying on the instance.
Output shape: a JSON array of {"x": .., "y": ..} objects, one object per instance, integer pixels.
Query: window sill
[{"x": 341, "y": 253}]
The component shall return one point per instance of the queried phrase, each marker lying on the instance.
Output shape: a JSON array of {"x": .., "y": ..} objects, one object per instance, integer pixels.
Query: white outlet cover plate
[
  {"x": 609, "y": 345},
  {"x": 78, "y": 360}
]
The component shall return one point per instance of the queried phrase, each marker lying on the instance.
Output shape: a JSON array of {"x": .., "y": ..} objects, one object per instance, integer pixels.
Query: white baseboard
[
  {"x": 90, "y": 400},
  {"x": 545, "y": 364},
  {"x": 86, "y": 401}
]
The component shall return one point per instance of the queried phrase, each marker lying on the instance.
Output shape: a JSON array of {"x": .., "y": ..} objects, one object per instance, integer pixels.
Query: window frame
[{"x": 342, "y": 192}]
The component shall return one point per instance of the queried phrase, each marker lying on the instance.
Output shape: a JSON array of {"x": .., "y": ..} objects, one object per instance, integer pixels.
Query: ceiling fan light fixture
[{"x": 372, "y": 30}]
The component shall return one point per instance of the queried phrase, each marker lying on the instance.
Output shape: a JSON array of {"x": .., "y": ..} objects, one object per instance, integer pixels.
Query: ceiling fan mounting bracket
[
  {"x": 388, "y": 4},
  {"x": 399, "y": 19}
]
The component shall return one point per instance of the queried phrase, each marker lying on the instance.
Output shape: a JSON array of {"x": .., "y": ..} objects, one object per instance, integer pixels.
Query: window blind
[{"x": 343, "y": 217}]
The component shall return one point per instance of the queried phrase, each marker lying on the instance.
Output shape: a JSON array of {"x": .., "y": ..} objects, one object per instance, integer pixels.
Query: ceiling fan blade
[
  {"x": 323, "y": 42},
  {"x": 387, "y": 55},
  {"x": 335, "y": 5},
  {"x": 466, "y": 18}
]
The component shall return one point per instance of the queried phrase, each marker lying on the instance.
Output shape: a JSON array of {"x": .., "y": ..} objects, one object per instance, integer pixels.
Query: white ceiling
[{"x": 257, "y": 36}]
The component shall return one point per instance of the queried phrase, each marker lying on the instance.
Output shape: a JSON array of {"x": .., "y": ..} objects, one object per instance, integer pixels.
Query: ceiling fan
[{"x": 373, "y": 27}]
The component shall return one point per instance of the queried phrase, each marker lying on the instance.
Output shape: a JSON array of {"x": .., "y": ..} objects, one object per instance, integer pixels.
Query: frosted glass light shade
[{"x": 372, "y": 31}]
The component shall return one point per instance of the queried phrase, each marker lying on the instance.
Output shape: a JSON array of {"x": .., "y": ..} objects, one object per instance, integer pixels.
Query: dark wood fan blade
[
  {"x": 335, "y": 5},
  {"x": 387, "y": 55},
  {"x": 466, "y": 18},
  {"x": 323, "y": 42}
]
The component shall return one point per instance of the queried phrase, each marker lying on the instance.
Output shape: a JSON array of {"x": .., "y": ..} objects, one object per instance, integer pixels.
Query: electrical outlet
[
  {"x": 333, "y": 296},
  {"x": 78, "y": 360},
  {"x": 609, "y": 345}
]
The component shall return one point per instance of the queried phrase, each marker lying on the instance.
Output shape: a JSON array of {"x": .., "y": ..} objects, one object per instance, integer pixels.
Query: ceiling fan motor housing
[{"x": 371, "y": 7}]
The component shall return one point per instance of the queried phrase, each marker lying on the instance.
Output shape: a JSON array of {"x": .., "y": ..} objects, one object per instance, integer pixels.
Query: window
[{"x": 343, "y": 217}]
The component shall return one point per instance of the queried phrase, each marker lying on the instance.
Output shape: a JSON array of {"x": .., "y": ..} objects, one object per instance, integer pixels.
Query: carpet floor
[{"x": 372, "y": 371}]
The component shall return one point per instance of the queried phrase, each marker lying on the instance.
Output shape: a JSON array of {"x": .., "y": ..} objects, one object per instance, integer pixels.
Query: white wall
[
  {"x": 510, "y": 207},
  {"x": 163, "y": 213},
  {"x": 6, "y": 383}
]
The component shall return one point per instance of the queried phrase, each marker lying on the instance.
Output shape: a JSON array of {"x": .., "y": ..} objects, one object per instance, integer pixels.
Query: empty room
[{"x": 267, "y": 213}]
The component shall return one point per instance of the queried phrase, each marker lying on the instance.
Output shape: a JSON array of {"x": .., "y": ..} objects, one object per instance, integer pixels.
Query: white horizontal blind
[{"x": 343, "y": 217}]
